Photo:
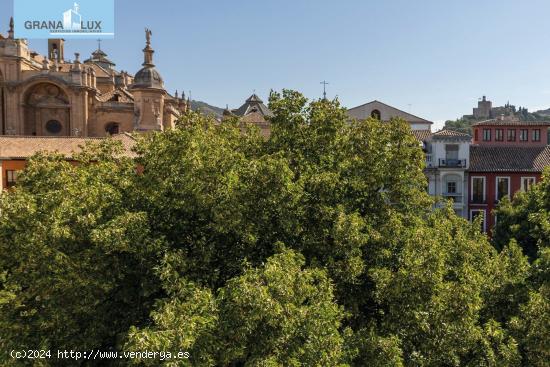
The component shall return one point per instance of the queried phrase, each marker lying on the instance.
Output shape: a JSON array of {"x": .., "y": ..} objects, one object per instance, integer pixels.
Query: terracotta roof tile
[
  {"x": 446, "y": 133},
  {"x": 509, "y": 159},
  {"x": 510, "y": 122},
  {"x": 422, "y": 135},
  {"x": 22, "y": 147}
]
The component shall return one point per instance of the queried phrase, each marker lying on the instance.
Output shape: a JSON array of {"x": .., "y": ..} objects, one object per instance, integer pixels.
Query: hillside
[
  {"x": 207, "y": 109},
  {"x": 545, "y": 113},
  {"x": 464, "y": 123}
]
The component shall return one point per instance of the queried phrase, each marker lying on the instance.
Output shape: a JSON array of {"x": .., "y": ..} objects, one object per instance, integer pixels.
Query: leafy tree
[
  {"x": 215, "y": 198},
  {"x": 350, "y": 197},
  {"x": 75, "y": 261},
  {"x": 526, "y": 219},
  {"x": 462, "y": 124},
  {"x": 317, "y": 246},
  {"x": 531, "y": 324},
  {"x": 278, "y": 315},
  {"x": 428, "y": 281}
]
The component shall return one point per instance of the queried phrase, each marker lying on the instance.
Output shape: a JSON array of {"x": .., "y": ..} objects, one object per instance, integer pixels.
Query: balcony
[
  {"x": 455, "y": 197},
  {"x": 452, "y": 163}
]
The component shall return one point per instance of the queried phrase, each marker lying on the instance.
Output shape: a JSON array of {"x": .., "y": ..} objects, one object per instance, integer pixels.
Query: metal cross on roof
[{"x": 325, "y": 83}]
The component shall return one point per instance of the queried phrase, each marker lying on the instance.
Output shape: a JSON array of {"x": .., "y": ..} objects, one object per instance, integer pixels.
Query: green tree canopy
[
  {"x": 525, "y": 221},
  {"x": 318, "y": 246},
  {"x": 76, "y": 262}
]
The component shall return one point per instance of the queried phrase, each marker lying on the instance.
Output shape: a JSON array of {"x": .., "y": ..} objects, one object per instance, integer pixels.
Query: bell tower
[
  {"x": 56, "y": 48},
  {"x": 149, "y": 93}
]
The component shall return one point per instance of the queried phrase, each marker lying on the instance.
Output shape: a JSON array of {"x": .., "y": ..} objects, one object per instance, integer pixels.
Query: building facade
[
  {"x": 447, "y": 164},
  {"x": 507, "y": 156},
  {"x": 52, "y": 96}
]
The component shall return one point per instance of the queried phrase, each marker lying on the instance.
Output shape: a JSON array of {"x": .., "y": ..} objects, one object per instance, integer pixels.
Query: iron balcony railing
[{"x": 458, "y": 163}]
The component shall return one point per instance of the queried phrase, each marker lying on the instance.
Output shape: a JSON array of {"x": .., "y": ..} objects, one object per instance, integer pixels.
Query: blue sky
[{"x": 434, "y": 58}]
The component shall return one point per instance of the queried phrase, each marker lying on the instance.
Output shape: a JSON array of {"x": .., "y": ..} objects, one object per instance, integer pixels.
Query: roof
[
  {"x": 507, "y": 121},
  {"x": 254, "y": 98},
  {"x": 446, "y": 133},
  {"x": 399, "y": 113},
  {"x": 100, "y": 57},
  {"x": 252, "y": 104},
  {"x": 101, "y": 72},
  {"x": 148, "y": 77},
  {"x": 254, "y": 117},
  {"x": 422, "y": 135},
  {"x": 116, "y": 95},
  {"x": 22, "y": 147},
  {"x": 509, "y": 159}
]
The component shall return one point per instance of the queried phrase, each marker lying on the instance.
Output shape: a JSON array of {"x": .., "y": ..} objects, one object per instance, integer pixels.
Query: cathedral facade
[{"x": 47, "y": 95}]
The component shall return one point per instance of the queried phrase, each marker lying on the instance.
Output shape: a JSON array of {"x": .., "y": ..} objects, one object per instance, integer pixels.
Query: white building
[
  {"x": 384, "y": 112},
  {"x": 447, "y": 163}
]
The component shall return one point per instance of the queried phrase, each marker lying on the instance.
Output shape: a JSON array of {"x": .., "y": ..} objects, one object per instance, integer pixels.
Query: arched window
[
  {"x": 112, "y": 128},
  {"x": 53, "y": 127},
  {"x": 375, "y": 114},
  {"x": 47, "y": 110}
]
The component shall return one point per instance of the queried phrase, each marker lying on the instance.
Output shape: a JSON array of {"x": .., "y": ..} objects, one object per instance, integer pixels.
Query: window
[
  {"x": 499, "y": 135},
  {"x": 112, "y": 128},
  {"x": 11, "y": 178},
  {"x": 536, "y": 135},
  {"x": 475, "y": 213},
  {"x": 486, "y": 134},
  {"x": 478, "y": 190},
  {"x": 526, "y": 183},
  {"x": 476, "y": 137},
  {"x": 53, "y": 126},
  {"x": 451, "y": 152},
  {"x": 451, "y": 187},
  {"x": 375, "y": 114},
  {"x": 511, "y": 134},
  {"x": 503, "y": 187},
  {"x": 523, "y": 135}
]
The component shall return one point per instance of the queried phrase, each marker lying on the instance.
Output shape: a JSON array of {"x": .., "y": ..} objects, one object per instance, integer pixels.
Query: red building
[
  {"x": 507, "y": 156},
  {"x": 16, "y": 150}
]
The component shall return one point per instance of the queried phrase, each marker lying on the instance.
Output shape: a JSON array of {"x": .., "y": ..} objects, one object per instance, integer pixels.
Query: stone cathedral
[{"x": 47, "y": 95}]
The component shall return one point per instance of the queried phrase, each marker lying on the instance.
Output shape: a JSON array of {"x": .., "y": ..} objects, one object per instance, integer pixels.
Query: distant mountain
[
  {"x": 207, "y": 109},
  {"x": 545, "y": 113}
]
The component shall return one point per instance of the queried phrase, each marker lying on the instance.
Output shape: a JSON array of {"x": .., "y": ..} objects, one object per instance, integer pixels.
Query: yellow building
[{"x": 51, "y": 96}]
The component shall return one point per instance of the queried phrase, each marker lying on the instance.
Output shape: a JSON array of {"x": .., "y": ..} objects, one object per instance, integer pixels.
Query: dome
[{"x": 148, "y": 77}]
